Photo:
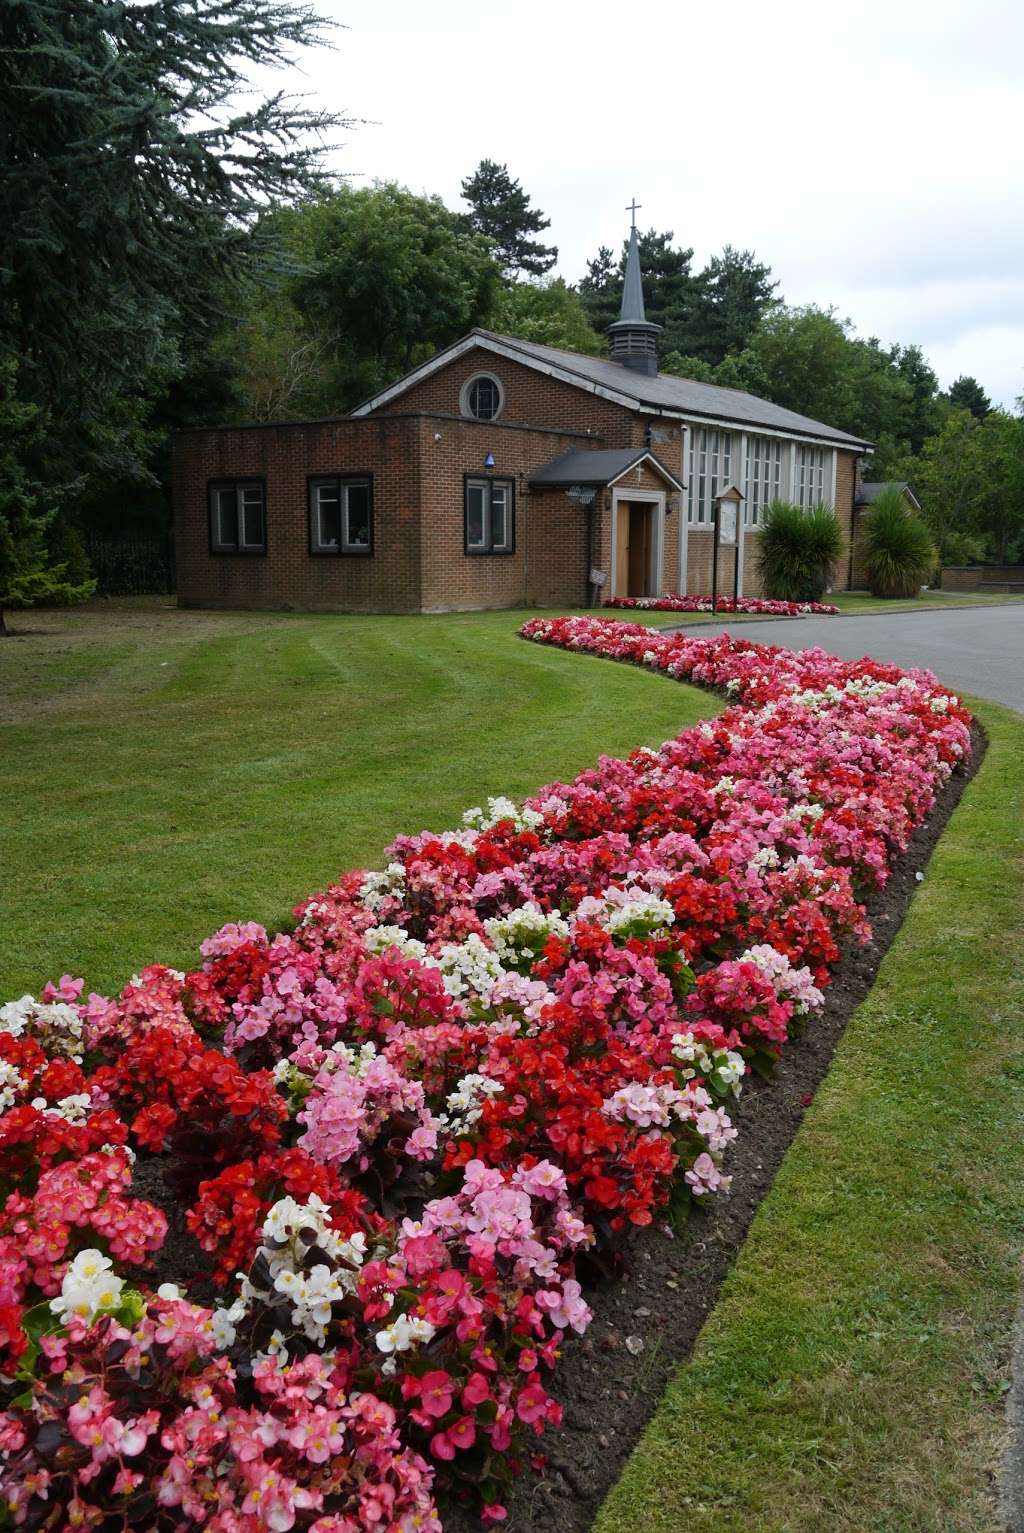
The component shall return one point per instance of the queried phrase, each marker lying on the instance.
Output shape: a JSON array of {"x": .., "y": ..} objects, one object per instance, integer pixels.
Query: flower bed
[
  {"x": 764, "y": 606},
  {"x": 406, "y": 1134}
]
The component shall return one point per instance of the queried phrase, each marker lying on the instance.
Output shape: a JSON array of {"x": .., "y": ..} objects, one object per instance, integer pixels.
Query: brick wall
[{"x": 419, "y": 563}]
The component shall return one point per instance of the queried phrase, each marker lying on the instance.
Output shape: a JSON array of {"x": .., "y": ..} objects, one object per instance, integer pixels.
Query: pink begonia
[{"x": 231, "y": 936}]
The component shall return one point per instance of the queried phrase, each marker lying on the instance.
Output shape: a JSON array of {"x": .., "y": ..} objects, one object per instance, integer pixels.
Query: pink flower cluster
[
  {"x": 759, "y": 605},
  {"x": 422, "y": 1119}
]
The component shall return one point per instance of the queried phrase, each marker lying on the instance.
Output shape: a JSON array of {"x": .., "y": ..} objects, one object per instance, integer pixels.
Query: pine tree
[
  {"x": 501, "y": 211},
  {"x": 30, "y": 570},
  {"x": 967, "y": 394},
  {"x": 134, "y": 168}
]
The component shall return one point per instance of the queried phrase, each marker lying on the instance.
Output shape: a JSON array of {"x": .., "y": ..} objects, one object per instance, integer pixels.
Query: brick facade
[{"x": 417, "y": 450}]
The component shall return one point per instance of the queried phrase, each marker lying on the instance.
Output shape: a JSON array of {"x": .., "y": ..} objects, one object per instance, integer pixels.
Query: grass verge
[
  {"x": 853, "y": 1372},
  {"x": 166, "y": 771}
]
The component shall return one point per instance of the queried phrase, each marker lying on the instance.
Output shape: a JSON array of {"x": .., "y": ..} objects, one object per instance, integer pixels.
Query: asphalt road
[{"x": 972, "y": 649}]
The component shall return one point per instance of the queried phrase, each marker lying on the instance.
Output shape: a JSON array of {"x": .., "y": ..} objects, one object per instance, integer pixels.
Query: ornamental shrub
[
  {"x": 798, "y": 551},
  {"x": 898, "y": 550}
]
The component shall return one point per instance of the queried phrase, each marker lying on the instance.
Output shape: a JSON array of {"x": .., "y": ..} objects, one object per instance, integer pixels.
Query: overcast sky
[{"x": 870, "y": 153}]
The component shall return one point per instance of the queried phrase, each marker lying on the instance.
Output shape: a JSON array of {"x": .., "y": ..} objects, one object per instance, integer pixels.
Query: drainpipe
[
  {"x": 526, "y": 540},
  {"x": 588, "y": 598}
]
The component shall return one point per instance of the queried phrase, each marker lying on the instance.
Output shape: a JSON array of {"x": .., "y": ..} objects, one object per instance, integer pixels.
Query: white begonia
[
  {"x": 90, "y": 1288},
  {"x": 73, "y": 1109},
  {"x": 723, "y": 785},
  {"x": 465, "y": 1104},
  {"x": 523, "y": 931},
  {"x": 378, "y": 887},
  {"x": 765, "y": 857},
  {"x": 290, "y": 1230},
  {"x": 56, "y": 1024},
  {"x": 805, "y": 811},
  {"x": 404, "y": 1333},
  {"x": 499, "y": 809},
  {"x": 640, "y": 911},
  {"x": 469, "y": 967},
  {"x": 379, "y": 939},
  {"x": 11, "y": 1082},
  {"x": 693, "y": 1057}
]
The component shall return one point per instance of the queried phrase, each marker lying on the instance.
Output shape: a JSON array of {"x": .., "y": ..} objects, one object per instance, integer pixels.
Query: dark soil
[{"x": 609, "y": 1392}]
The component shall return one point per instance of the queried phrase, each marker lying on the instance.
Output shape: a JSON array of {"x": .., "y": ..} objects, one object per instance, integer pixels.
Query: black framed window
[
  {"x": 341, "y": 514},
  {"x": 238, "y": 516},
  {"x": 490, "y": 516}
]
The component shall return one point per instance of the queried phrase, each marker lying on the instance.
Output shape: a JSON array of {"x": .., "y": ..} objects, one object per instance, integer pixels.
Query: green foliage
[
  {"x": 681, "y": 366},
  {"x": 734, "y": 293},
  {"x": 967, "y": 394},
  {"x": 899, "y": 554},
  {"x": 134, "y": 166},
  {"x": 548, "y": 312},
  {"x": 970, "y": 481},
  {"x": 31, "y": 567},
  {"x": 501, "y": 212},
  {"x": 798, "y": 551},
  {"x": 373, "y": 281}
]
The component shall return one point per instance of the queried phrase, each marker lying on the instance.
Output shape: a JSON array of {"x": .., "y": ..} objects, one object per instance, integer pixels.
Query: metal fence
[{"x": 131, "y": 566}]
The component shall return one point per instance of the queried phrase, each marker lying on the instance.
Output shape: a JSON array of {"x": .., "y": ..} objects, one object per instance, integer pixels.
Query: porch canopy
[{"x": 602, "y": 467}]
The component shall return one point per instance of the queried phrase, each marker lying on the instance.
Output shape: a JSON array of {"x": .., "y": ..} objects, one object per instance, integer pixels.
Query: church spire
[{"x": 632, "y": 338}]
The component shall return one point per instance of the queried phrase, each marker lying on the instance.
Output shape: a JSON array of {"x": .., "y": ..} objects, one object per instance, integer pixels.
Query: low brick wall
[{"x": 982, "y": 577}]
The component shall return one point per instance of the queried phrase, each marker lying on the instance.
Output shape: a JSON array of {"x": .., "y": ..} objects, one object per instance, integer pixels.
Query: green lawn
[
  {"x": 167, "y": 771},
  {"x": 852, "y": 1376}
]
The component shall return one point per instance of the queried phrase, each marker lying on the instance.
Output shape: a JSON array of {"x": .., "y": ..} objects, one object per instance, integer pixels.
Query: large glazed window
[
  {"x": 341, "y": 515},
  {"x": 238, "y": 517},
  {"x": 489, "y": 516}
]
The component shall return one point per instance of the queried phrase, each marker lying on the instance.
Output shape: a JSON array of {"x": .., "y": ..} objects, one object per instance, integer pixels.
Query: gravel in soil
[{"x": 645, "y": 1324}]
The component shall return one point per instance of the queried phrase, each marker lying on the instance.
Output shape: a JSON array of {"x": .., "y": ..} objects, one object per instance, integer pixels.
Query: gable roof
[
  {"x": 600, "y": 466},
  {"x": 869, "y": 493},
  {"x": 661, "y": 394}
]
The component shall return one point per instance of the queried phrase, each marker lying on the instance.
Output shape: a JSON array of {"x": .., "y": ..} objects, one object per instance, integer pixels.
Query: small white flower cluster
[
  {"x": 632, "y": 911},
  {"x": 90, "y": 1288},
  {"x": 524, "y": 931},
  {"x": 56, "y": 1024},
  {"x": 791, "y": 984},
  {"x": 499, "y": 809},
  {"x": 11, "y": 1082},
  {"x": 723, "y": 785},
  {"x": 402, "y": 1335},
  {"x": 465, "y": 1104},
  {"x": 380, "y": 939},
  {"x": 290, "y": 1230},
  {"x": 647, "y": 1106},
  {"x": 469, "y": 967},
  {"x": 805, "y": 811},
  {"x": 73, "y": 1109},
  {"x": 765, "y": 857},
  {"x": 695, "y": 1058},
  {"x": 378, "y": 887}
]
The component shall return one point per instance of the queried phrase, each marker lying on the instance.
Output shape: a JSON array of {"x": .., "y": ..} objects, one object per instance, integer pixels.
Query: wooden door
[
  {"x": 622, "y": 537},
  {"x": 639, "y": 558}
]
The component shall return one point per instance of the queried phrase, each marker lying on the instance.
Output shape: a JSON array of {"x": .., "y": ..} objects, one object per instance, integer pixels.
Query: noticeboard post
[{"x": 726, "y": 528}]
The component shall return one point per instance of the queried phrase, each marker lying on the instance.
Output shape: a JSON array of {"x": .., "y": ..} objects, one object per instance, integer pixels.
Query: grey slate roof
[
  {"x": 869, "y": 493},
  {"x": 602, "y": 466},
  {"x": 665, "y": 392}
]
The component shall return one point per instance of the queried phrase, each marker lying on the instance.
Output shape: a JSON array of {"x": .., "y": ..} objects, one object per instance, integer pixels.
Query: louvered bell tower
[{"x": 632, "y": 339}]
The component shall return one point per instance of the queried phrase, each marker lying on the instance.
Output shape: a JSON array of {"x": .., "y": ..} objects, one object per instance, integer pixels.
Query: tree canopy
[{"x": 501, "y": 212}]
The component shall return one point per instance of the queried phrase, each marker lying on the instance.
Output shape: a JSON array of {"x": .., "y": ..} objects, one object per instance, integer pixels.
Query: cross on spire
[{"x": 631, "y": 210}]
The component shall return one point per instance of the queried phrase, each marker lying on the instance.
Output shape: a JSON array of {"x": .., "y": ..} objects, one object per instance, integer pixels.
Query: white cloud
[{"x": 869, "y": 153}]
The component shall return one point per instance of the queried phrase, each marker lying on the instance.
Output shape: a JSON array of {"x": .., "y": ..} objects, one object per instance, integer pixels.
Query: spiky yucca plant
[
  {"x": 798, "y": 551},
  {"x": 899, "y": 554}
]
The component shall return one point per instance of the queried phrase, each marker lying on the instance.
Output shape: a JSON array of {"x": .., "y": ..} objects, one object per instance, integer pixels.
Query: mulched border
[{"x": 608, "y": 1386}]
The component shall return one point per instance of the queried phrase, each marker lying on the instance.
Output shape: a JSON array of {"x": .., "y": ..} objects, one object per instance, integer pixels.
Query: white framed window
[
  {"x": 810, "y": 477},
  {"x": 483, "y": 397},
  {"x": 763, "y": 477},
  {"x": 489, "y": 516},
  {"x": 238, "y": 516},
  {"x": 710, "y": 471},
  {"x": 341, "y": 515}
]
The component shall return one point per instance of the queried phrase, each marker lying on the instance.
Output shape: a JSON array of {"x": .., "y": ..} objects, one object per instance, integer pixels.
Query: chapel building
[{"x": 501, "y": 473}]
